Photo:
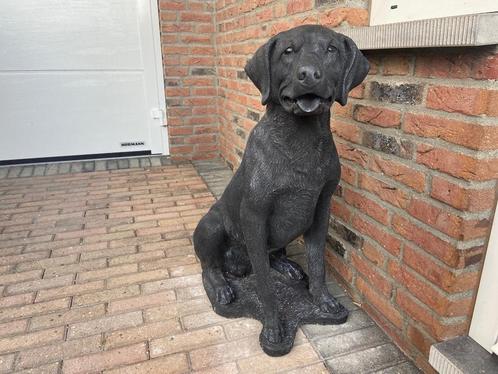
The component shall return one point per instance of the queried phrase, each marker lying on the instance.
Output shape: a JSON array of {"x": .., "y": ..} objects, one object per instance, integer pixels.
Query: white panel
[
  {"x": 79, "y": 77},
  {"x": 484, "y": 326},
  {"x": 71, "y": 113},
  {"x": 69, "y": 35},
  {"x": 392, "y": 11}
]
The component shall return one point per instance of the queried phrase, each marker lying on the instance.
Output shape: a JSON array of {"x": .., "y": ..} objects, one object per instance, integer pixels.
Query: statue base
[{"x": 294, "y": 304}]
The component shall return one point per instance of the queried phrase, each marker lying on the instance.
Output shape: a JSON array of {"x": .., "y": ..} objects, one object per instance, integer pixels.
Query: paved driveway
[{"x": 98, "y": 274}]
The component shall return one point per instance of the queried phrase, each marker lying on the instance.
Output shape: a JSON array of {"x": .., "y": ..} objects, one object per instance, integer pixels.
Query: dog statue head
[{"x": 306, "y": 68}]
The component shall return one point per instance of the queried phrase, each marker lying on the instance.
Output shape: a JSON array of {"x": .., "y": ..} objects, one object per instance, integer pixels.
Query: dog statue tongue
[{"x": 308, "y": 103}]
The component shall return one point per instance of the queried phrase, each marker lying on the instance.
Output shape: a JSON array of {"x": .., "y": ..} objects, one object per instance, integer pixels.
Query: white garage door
[{"x": 80, "y": 77}]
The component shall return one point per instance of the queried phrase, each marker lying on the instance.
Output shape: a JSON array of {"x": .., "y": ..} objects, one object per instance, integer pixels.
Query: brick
[
  {"x": 377, "y": 116},
  {"x": 67, "y": 317},
  {"x": 346, "y": 131},
  {"x": 13, "y": 327},
  {"x": 470, "y": 135},
  {"x": 107, "y": 272},
  {"x": 298, "y": 6},
  {"x": 75, "y": 268},
  {"x": 405, "y": 93},
  {"x": 33, "y": 358},
  {"x": 186, "y": 341},
  {"x": 218, "y": 354},
  {"x": 446, "y": 222},
  {"x": 380, "y": 303},
  {"x": 20, "y": 277},
  {"x": 366, "y": 205},
  {"x": 176, "y": 310},
  {"x": 430, "y": 296},
  {"x": 471, "y": 101},
  {"x": 336, "y": 16},
  {"x": 19, "y": 342},
  {"x": 384, "y": 191},
  {"x": 20, "y": 299},
  {"x": 141, "y": 333},
  {"x": 72, "y": 290},
  {"x": 40, "y": 284},
  {"x": 141, "y": 277},
  {"x": 444, "y": 278},
  {"x": 399, "y": 172},
  {"x": 33, "y": 309},
  {"x": 388, "y": 144},
  {"x": 6, "y": 363},
  {"x": 300, "y": 356},
  {"x": 141, "y": 302},
  {"x": 168, "y": 284},
  {"x": 457, "y": 164},
  {"x": 175, "y": 364},
  {"x": 427, "y": 241},
  {"x": 396, "y": 65},
  {"x": 138, "y": 257},
  {"x": 419, "y": 313},
  {"x": 372, "y": 275},
  {"x": 106, "y": 360},
  {"x": 110, "y": 323},
  {"x": 106, "y": 295},
  {"x": 460, "y": 197},
  {"x": 195, "y": 321},
  {"x": 230, "y": 368}
]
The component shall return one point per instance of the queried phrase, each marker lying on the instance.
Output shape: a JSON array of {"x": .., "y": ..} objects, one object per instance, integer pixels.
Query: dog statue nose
[{"x": 309, "y": 74}]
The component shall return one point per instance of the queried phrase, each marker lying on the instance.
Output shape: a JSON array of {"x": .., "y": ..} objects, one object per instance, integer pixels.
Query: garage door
[{"x": 80, "y": 77}]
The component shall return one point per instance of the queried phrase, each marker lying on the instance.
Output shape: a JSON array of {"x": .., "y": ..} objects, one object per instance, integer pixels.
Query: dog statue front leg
[
  {"x": 314, "y": 240},
  {"x": 255, "y": 229}
]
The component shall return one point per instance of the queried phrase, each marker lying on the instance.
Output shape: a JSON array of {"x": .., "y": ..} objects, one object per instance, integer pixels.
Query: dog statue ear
[
  {"x": 355, "y": 70},
  {"x": 258, "y": 70}
]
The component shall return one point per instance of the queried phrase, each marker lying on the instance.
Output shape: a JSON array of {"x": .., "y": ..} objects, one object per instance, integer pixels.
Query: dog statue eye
[
  {"x": 289, "y": 50},
  {"x": 331, "y": 48}
]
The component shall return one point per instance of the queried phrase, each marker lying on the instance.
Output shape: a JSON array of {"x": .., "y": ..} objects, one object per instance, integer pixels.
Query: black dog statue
[{"x": 282, "y": 190}]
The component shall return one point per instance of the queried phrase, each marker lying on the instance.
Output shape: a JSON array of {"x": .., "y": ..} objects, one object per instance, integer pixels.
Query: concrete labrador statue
[{"x": 282, "y": 189}]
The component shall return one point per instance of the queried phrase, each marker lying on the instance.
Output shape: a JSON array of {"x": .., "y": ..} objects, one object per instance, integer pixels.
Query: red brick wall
[
  {"x": 418, "y": 143},
  {"x": 187, "y": 38}
]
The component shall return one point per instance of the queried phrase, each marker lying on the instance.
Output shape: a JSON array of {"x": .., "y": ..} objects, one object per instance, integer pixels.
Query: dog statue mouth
[{"x": 307, "y": 104}]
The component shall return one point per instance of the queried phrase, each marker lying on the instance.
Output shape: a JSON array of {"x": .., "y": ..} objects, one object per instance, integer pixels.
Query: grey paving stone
[
  {"x": 165, "y": 160},
  {"x": 39, "y": 170},
  {"x": 111, "y": 164},
  {"x": 51, "y": 169},
  {"x": 366, "y": 361},
  {"x": 404, "y": 368},
  {"x": 76, "y": 167},
  {"x": 134, "y": 163},
  {"x": 144, "y": 162},
  {"x": 3, "y": 172},
  {"x": 88, "y": 166},
  {"x": 14, "y": 171},
  {"x": 100, "y": 165},
  {"x": 336, "y": 345},
  {"x": 155, "y": 161},
  {"x": 123, "y": 163},
  {"x": 27, "y": 171},
  {"x": 357, "y": 320},
  {"x": 64, "y": 168}
]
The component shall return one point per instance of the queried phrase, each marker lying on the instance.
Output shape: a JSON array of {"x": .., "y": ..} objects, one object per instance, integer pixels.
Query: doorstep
[{"x": 462, "y": 355}]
